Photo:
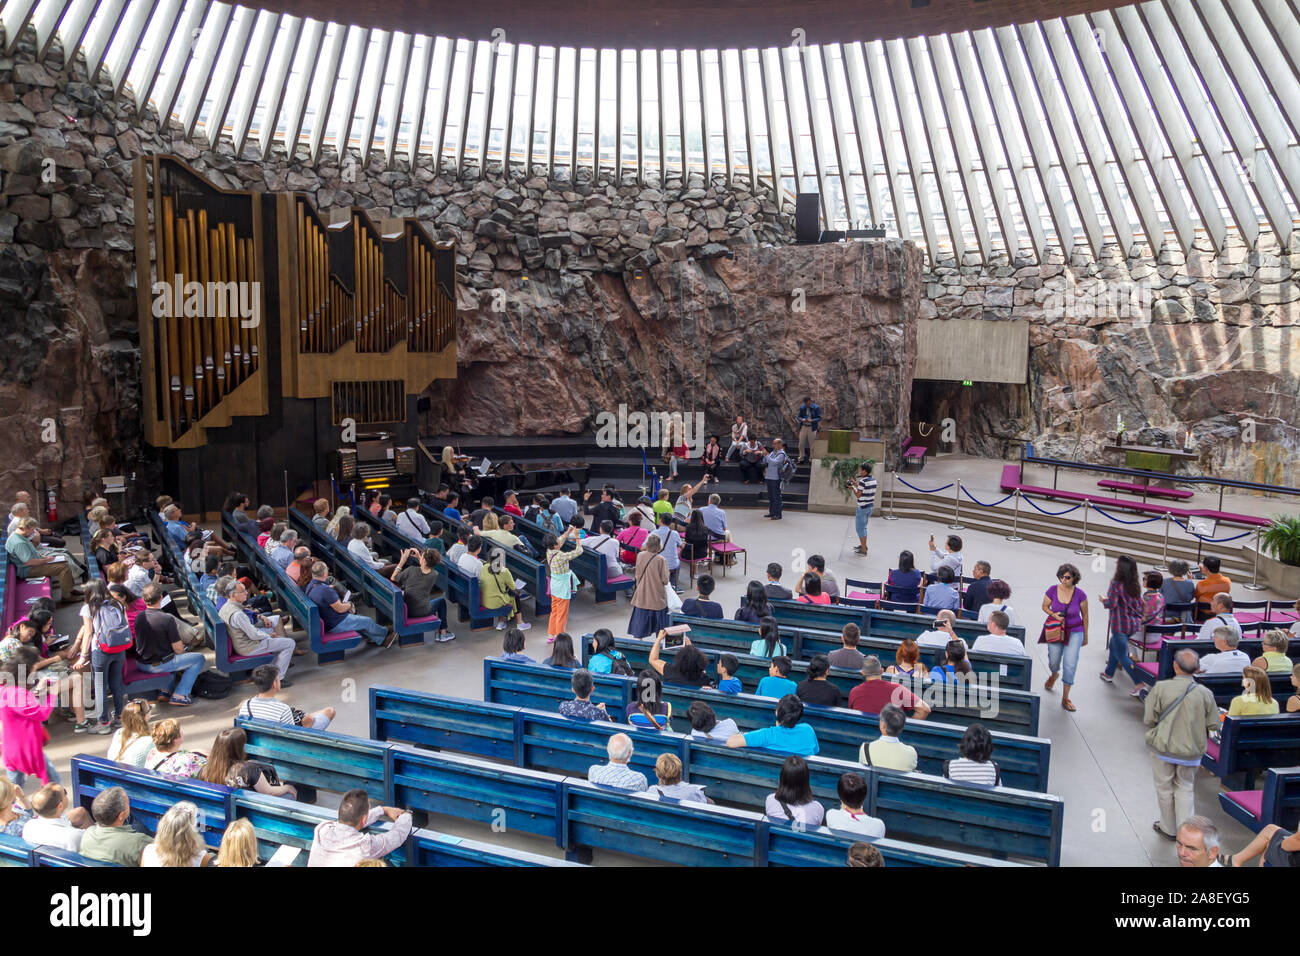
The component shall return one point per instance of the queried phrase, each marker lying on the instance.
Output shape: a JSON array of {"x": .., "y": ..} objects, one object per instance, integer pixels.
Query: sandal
[
  {"x": 1068, "y": 705},
  {"x": 859, "y": 551},
  {"x": 1156, "y": 826},
  {"x": 1051, "y": 682}
]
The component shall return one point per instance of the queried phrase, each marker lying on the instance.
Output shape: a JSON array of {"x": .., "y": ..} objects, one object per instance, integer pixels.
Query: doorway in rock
[{"x": 988, "y": 419}]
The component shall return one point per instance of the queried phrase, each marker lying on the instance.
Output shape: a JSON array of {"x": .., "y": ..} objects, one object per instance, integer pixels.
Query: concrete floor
[{"x": 1099, "y": 764}]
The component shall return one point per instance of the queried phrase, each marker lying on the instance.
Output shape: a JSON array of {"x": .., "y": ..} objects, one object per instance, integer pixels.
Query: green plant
[
  {"x": 844, "y": 471},
  {"x": 1282, "y": 539}
]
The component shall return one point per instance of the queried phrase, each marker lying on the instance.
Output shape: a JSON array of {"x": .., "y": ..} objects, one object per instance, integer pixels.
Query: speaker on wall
[{"x": 807, "y": 228}]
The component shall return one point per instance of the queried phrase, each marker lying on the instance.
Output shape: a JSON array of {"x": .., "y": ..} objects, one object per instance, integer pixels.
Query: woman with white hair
[
  {"x": 178, "y": 842},
  {"x": 332, "y": 529}
]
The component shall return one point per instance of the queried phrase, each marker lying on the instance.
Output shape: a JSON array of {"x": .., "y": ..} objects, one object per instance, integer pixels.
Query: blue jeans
[
  {"x": 1065, "y": 652},
  {"x": 439, "y": 607},
  {"x": 18, "y": 778},
  {"x": 189, "y": 666},
  {"x": 1118, "y": 656},
  {"x": 108, "y": 680},
  {"x": 774, "y": 497},
  {"x": 860, "y": 519},
  {"x": 366, "y": 626}
]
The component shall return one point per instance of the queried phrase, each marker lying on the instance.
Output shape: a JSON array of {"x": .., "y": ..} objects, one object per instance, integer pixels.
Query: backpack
[
  {"x": 787, "y": 468},
  {"x": 213, "y": 685},
  {"x": 112, "y": 633}
]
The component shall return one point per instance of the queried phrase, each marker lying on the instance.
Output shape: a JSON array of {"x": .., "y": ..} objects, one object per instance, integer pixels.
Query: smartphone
[{"x": 938, "y": 624}]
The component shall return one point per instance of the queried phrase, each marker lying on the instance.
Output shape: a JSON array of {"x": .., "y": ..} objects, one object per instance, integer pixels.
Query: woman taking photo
[
  {"x": 1124, "y": 601},
  {"x": 563, "y": 581},
  {"x": 1066, "y": 630},
  {"x": 688, "y": 667},
  {"x": 650, "y": 594}
]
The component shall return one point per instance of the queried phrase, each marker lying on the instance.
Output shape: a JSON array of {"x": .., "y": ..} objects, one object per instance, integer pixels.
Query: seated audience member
[
  {"x": 907, "y": 661},
  {"x": 504, "y": 535},
  {"x": 498, "y": 589},
  {"x": 158, "y": 648},
  {"x": 648, "y": 709},
  {"x": 616, "y": 774},
  {"x": 345, "y": 843},
  {"x": 512, "y": 505},
  {"x": 1293, "y": 702},
  {"x": 13, "y": 819},
  {"x": 417, "y": 578},
  {"x": 452, "y": 508},
  {"x": 178, "y": 841},
  {"x": 942, "y": 593},
  {"x": 955, "y": 667},
  {"x": 775, "y": 591},
  {"x": 849, "y": 818},
  {"x": 457, "y": 550},
  {"x": 562, "y": 654},
  {"x": 793, "y": 801},
  {"x": 168, "y": 756},
  {"x": 975, "y": 765},
  {"x": 715, "y": 519},
  {"x": 668, "y": 771},
  {"x": 999, "y": 591},
  {"x": 887, "y": 751},
  {"x": 272, "y": 540},
  {"x": 865, "y": 855},
  {"x": 132, "y": 741},
  {"x": 110, "y": 840},
  {"x": 283, "y": 554},
  {"x": 631, "y": 538},
  {"x": 769, "y": 640},
  {"x": 810, "y": 590},
  {"x": 755, "y": 607},
  {"x": 688, "y": 667},
  {"x": 976, "y": 594},
  {"x": 604, "y": 657},
  {"x": 1273, "y": 845},
  {"x": 1175, "y": 588},
  {"x": 830, "y": 587},
  {"x": 697, "y": 538},
  {"x": 52, "y": 822},
  {"x": 238, "y": 845},
  {"x": 265, "y": 518},
  {"x": 479, "y": 514},
  {"x": 228, "y": 765},
  {"x": 949, "y": 557},
  {"x": 104, "y": 548},
  {"x": 941, "y": 633},
  {"x": 1256, "y": 697},
  {"x": 997, "y": 641},
  {"x": 1153, "y": 602},
  {"x": 815, "y": 689},
  {"x": 320, "y": 517},
  {"x": 1295, "y": 627},
  {"x": 1211, "y": 582},
  {"x": 264, "y": 705},
  {"x": 411, "y": 522},
  {"x": 1274, "y": 658},
  {"x": 1228, "y": 660},
  {"x": 705, "y": 724},
  {"x": 700, "y": 605},
  {"x": 359, "y": 548},
  {"x": 512, "y": 647},
  {"x": 1198, "y": 843},
  {"x": 788, "y": 736},
  {"x": 335, "y": 615},
  {"x": 903, "y": 583},
  {"x": 728, "y": 682},
  {"x": 848, "y": 656},
  {"x": 875, "y": 693},
  {"x": 1220, "y": 616},
  {"x": 299, "y": 569},
  {"x": 581, "y": 707},
  {"x": 777, "y": 683},
  {"x": 248, "y": 638}
]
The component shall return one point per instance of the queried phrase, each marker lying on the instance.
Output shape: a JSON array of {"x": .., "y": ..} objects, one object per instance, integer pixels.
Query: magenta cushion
[
  {"x": 330, "y": 636},
  {"x": 1252, "y": 801}
]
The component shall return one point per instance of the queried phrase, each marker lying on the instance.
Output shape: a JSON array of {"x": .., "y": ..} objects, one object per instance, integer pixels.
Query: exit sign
[{"x": 967, "y": 382}]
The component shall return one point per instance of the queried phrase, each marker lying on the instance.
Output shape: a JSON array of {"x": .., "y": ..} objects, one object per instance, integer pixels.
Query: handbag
[
  {"x": 1053, "y": 631},
  {"x": 674, "y": 599}
]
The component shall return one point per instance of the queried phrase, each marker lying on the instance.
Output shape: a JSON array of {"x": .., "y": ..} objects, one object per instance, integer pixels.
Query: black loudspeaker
[{"x": 807, "y": 228}]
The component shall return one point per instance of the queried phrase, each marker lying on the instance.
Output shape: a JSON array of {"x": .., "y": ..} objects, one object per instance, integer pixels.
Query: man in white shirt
[
  {"x": 605, "y": 543},
  {"x": 1229, "y": 660},
  {"x": 1221, "y": 616},
  {"x": 997, "y": 641},
  {"x": 470, "y": 562},
  {"x": 950, "y": 556},
  {"x": 48, "y": 826},
  {"x": 942, "y": 634},
  {"x": 1198, "y": 843},
  {"x": 411, "y": 522},
  {"x": 141, "y": 573},
  {"x": 360, "y": 550},
  {"x": 849, "y": 818}
]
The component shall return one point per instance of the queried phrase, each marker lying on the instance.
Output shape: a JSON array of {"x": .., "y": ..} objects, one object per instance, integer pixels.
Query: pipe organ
[{"x": 232, "y": 283}]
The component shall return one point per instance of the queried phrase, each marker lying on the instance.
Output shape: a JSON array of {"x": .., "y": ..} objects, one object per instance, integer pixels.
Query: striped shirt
[
  {"x": 267, "y": 708},
  {"x": 617, "y": 775},
  {"x": 866, "y": 489},
  {"x": 963, "y": 770},
  {"x": 1125, "y": 610}
]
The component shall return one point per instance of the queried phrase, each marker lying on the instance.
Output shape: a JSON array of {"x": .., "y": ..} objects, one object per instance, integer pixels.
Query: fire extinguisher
[{"x": 51, "y": 506}]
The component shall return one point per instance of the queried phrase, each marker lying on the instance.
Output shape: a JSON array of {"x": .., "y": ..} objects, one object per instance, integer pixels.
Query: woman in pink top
[{"x": 22, "y": 718}]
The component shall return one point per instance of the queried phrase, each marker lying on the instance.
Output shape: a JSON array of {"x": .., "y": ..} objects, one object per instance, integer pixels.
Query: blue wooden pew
[
  {"x": 874, "y": 622},
  {"x": 782, "y": 845},
  {"x": 151, "y": 794},
  {"x": 1024, "y": 761},
  {"x": 526, "y": 568},
  {"x": 15, "y": 852},
  {"x": 1251, "y": 744},
  {"x": 282, "y": 822},
  {"x": 1224, "y": 686},
  {"x": 317, "y": 758},
  {"x": 329, "y": 646},
  {"x": 998, "y": 820},
  {"x": 1278, "y": 802},
  {"x": 428, "y": 848}
]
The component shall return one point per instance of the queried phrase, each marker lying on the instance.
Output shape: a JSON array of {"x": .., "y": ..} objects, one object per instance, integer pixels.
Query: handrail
[{"x": 1141, "y": 473}]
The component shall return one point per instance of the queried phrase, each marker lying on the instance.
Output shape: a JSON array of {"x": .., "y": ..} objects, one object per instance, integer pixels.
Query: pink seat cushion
[
  {"x": 130, "y": 670},
  {"x": 1149, "y": 667},
  {"x": 422, "y": 620},
  {"x": 915, "y": 452},
  {"x": 1212, "y": 751},
  {"x": 726, "y": 547},
  {"x": 1252, "y": 801},
  {"x": 330, "y": 637},
  {"x": 863, "y": 596},
  {"x": 619, "y": 579}
]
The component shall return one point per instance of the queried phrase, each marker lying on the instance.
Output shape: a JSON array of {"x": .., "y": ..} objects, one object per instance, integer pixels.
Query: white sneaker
[
  {"x": 524, "y": 626},
  {"x": 444, "y": 638},
  {"x": 501, "y": 625}
]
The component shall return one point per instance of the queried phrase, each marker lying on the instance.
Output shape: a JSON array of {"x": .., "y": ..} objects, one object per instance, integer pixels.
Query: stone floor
[{"x": 1099, "y": 763}]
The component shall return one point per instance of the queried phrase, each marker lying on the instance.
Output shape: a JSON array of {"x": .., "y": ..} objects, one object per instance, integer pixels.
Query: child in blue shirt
[
  {"x": 727, "y": 667},
  {"x": 776, "y": 683}
]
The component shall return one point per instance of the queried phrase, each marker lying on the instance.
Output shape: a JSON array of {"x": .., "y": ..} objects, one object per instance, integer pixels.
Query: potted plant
[
  {"x": 1282, "y": 539},
  {"x": 844, "y": 471}
]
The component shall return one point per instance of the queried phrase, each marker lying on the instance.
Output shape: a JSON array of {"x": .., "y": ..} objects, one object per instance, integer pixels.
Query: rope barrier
[
  {"x": 340, "y": 496},
  {"x": 1244, "y": 534},
  {"x": 1100, "y": 511},
  {"x": 1053, "y": 514},
  {"x": 983, "y": 504},
  {"x": 925, "y": 491}
]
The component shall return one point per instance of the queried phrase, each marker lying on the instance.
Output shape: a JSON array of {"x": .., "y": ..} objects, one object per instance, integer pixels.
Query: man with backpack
[{"x": 779, "y": 468}]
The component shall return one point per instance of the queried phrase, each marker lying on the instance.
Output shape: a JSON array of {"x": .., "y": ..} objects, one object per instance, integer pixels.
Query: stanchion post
[
  {"x": 956, "y": 510},
  {"x": 1254, "y": 584},
  {"x": 1084, "y": 549},
  {"x": 893, "y": 476},
  {"x": 1164, "y": 555},
  {"x": 1015, "y": 521},
  {"x": 333, "y": 503}
]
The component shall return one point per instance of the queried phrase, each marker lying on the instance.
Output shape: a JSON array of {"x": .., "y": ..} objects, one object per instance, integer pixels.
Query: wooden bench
[
  {"x": 1152, "y": 491},
  {"x": 1224, "y": 686},
  {"x": 1277, "y": 803},
  {"x": 15, "y": 852},
  {"x": 995, "y": 820},
  {"x": 151, "y": 794},
  {"x": 1251, "y": 744},
  {"x": 873, "y": 621}
]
